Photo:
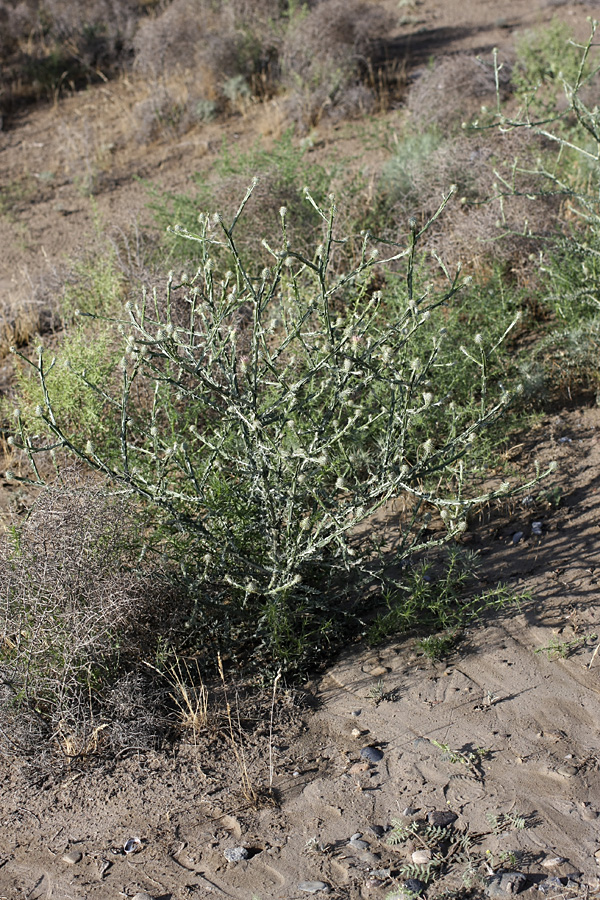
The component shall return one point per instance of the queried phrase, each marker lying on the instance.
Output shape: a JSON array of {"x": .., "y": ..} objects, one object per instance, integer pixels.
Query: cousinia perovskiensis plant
[{"x": 280, "y": 415}]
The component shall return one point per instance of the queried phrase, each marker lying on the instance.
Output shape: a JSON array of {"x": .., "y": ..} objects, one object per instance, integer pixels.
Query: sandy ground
[
  {"x": 521, "y": 723},
  {"x": 520, "y": 755}
]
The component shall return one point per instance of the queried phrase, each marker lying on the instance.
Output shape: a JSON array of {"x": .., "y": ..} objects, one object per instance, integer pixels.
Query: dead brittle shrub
[
  {"x": 97, "y": 34},
  {"x": 17, "y": 18},
  {"x": 328, "y": 58},
  {"x": 453, "y": 90},
  {"x": 200, "y": 58},
  {"x": 75, "y": 616}
]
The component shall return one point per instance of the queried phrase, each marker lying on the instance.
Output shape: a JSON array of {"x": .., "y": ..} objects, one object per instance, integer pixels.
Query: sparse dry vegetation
[
  {"x": 259, "y": 403},
  {"x": 78, "y": 616}
]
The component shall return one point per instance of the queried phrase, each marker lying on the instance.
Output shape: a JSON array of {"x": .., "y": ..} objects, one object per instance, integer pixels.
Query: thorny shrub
[{"x": 283, "y": 415}]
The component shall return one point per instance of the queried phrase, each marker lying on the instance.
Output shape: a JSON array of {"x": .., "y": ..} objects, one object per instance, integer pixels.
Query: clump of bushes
[
  {"x": 55, "y": 44},
  {"x": 200, "y": 58},
  {"x": 328, "y": 56}
]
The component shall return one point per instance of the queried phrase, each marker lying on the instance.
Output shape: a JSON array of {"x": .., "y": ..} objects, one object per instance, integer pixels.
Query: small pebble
[
  {"x": 381, "y": 874},
  {"x": 550, "y": 885},
  {"x": 356, "y": 836},
  {"x": 441, "y": 817},
  {"x": 313, "y": 887},
  {"x": 421, "y": 857},
  {"x": 505, "y": 884},
  {"x": 359, "y": 767},
  {"x": 536, "y": 528},
  {"x": 589, "y": 814},
  {"x": 73, "y": 857},
  {"x": 358, "y": 844},
  {"x": 377, "y": 830},
  {"x": 235, "y": 854},
  {"x": 410, "y": 811},
  {"x": 378, "y": 671},
  {"x": 356, "y": 713},
  {"x": 414, "y": 886},
  {"x": 356, "y": 732},
  {"x": 373, "y": 754},
  {"x": 517, "y": 536},
  {"x": 103, "y": 867},
  {"x": 132, "y": 845},
  {"x": 551, "y": 862},
  {"x": 568, "y": 771},
  {"x": 142, "y": 895}
]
